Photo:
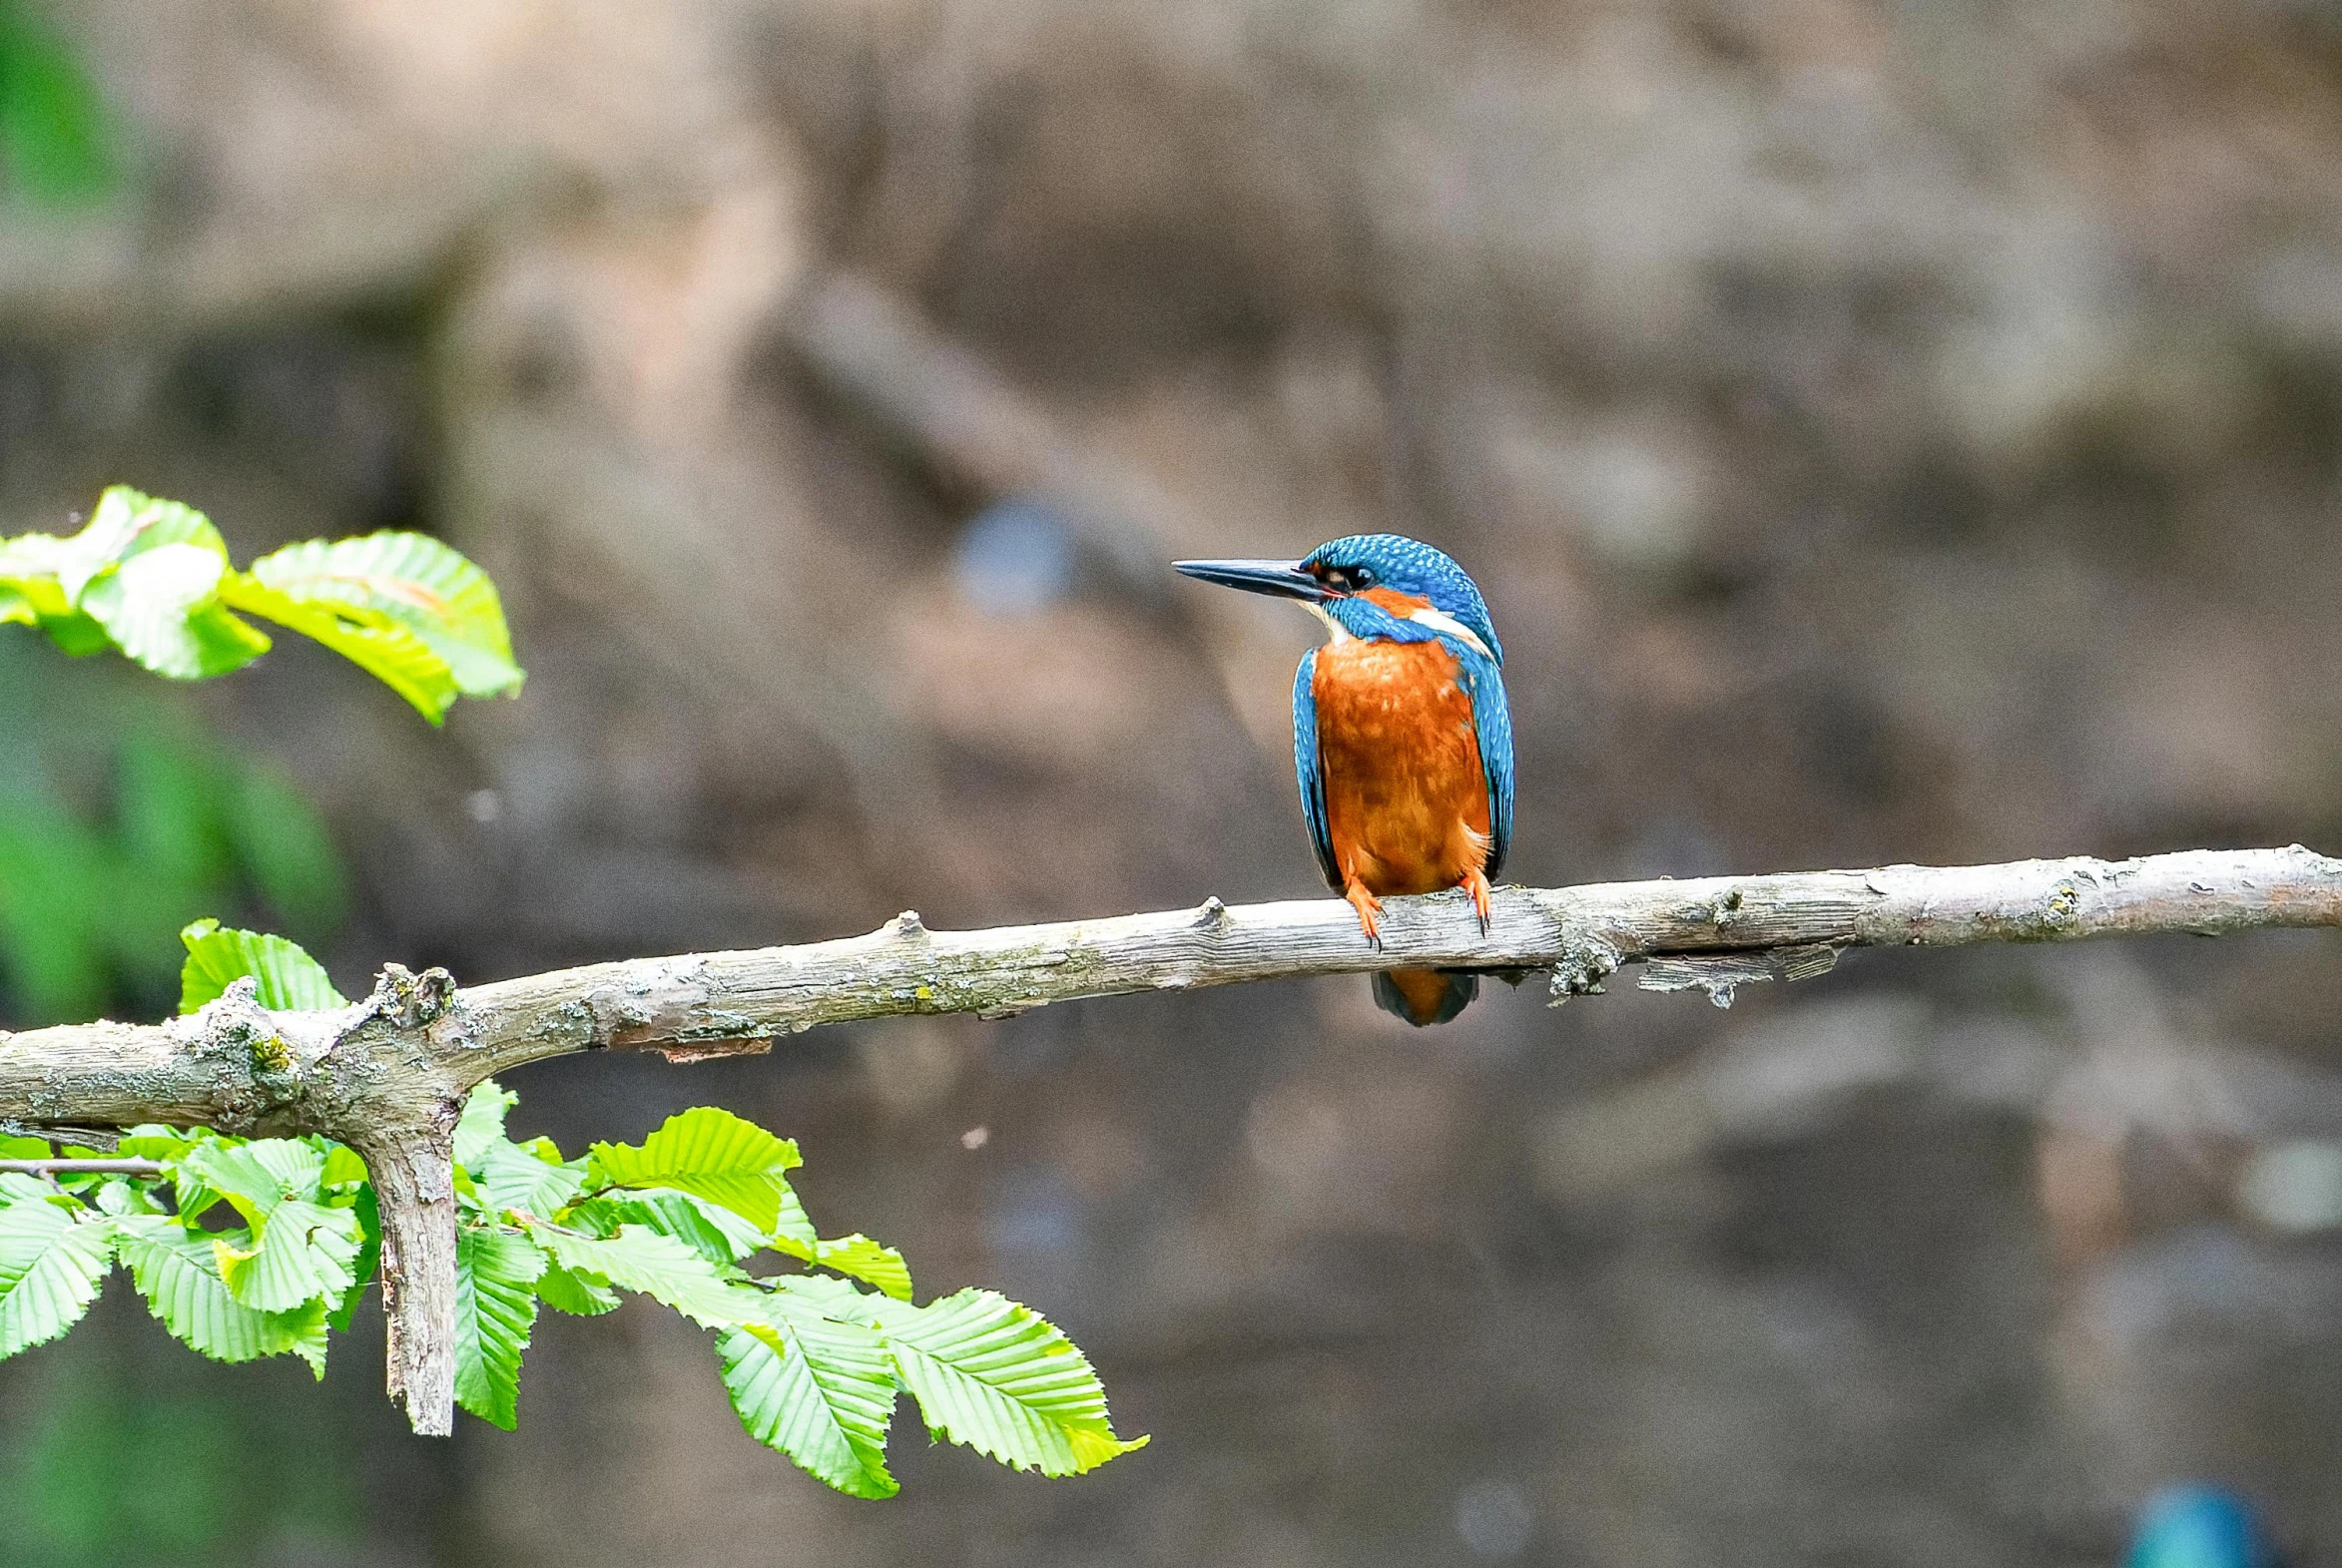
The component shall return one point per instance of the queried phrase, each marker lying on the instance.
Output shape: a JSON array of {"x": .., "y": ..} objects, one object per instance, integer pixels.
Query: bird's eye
[{"x": 1363, "y": 577}]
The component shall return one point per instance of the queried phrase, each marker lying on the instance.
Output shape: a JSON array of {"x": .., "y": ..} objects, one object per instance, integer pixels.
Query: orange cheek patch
[{"x": 1393, "y": 600}]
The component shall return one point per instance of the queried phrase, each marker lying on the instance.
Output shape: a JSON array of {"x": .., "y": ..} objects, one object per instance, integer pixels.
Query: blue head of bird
[
  {"x": 2197, "y": 1526},
  {"x": 1384, "y": 586}
]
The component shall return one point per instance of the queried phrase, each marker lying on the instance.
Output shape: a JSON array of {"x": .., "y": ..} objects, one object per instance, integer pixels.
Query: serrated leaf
[
  {"x": 52, "y": 1265},
  {"x": 715, "y": 1232},
  {"x": 482, "y": 1122},
  {"x": 304, "y": 1253},
  {"x": 290, "y": 980},
  {"x": 393, "y": 654},
  {"x": 161, "y": 608},
  {"x": 253, "y": 1178},
  {"x": 1001, "y": 1379},
  {"x": 854, "y": 1255},
  {"x": 709, "y": 1153},
  {"x": 868, "y": 1260},
  {"x": 792, "y": 1229},
  {"x": 516, "y": 1177},
  {"x": 495, "y": 1306},
  {"x": 304, "y": 1330},
  {"x": 343, "y": 1167},
  {"x": 179, "y": 1274},
  {"x": 566, "y": 1290},
  {"x": 76, "y": 633},
  {"x": 125, "y": 525},
  {"x": 148, "y": 572},
  {"x": 153, "y": 1141},
  {"x": 30, "y": 591},
  {"x": 821, "y": 1393},
  {"x": 639, "y": 1259},
  {"x": 117, "y": 1196},
  {"x": 410, "y": 581}
]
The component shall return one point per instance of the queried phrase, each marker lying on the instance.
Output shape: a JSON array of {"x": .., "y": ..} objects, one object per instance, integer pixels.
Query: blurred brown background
[{"x": 1883, "y": 433}]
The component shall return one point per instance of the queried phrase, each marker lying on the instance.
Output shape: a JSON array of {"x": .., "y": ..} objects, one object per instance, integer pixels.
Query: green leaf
[
  {"x": 343, "y": 1167},
  {"x": 154, "y": 1141},
  {"x": 518, "y": 1177},
  {"x": 148, "y": 570},
  {"x": 821, "y": 1393},
  {"x": 290, "y": 979},
  {"x": 304, "y": 1330},
  {"x": 867, "y": 1259},
  {"x": 410, "y": 581},
  {"x": 179, "y": 1274},
  {"x": 566, "y": 1290},
  {"x": 709, "y": 1153},
  {"x": 52, "y": 1265},
  {"x": 76, "y": 633},
  {"x": 31, "y": 566},
  {"x": 482, "y": 1122},
  {"x": 126, "y": 525},
  {"x": 1001, "y": 1379},
  {"x": 304, "y": 1253},
  {"x": 794, "y": 1233},
  {"x": 252, "y": 1177},
  {"x": 641, "y": 1259},
  {"x": 715, "y": 1234},
  {"x": 161, "y": 608},
  {"x": 390, "y": 652},
  {"x": 495, "y": 1306}
]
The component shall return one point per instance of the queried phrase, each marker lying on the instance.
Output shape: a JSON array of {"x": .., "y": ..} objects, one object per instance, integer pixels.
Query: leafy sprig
[
  {"x": 152, "y": 579},
  {"x": 245, "y": 1247}
]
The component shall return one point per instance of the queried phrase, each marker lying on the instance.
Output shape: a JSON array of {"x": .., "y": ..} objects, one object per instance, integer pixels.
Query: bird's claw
[{"x": 1477, "y": 885}]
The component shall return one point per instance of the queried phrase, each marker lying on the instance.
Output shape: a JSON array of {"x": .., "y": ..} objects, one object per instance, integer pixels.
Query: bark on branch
[{"x": 385, "y": 1075}]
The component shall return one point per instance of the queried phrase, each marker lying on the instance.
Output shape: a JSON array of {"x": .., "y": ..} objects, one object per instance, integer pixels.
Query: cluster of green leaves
[
  {"x": 121, "y": 818},
  {"x": 152, "y": 578},
  {"x": 251, "y": 1247}
]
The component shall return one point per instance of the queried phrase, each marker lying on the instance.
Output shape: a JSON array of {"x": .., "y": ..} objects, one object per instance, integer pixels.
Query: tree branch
[{"x": 386, "y": 1075}]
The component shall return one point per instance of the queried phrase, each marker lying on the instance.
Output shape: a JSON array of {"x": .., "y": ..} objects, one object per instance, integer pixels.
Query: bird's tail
[{"x": 1424, "y": 996}]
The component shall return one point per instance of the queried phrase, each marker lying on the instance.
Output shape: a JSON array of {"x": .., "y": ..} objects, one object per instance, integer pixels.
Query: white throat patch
[{"x": 1440, "y": 621}]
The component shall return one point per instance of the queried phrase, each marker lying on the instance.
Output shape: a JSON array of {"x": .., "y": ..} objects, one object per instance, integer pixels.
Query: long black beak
[{"x": 1282, "y": 578}]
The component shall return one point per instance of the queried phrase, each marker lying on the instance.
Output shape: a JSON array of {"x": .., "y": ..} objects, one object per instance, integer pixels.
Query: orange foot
[
  {"x": 1369, "y": 907},
  {"x": 1476, "y": 882}
]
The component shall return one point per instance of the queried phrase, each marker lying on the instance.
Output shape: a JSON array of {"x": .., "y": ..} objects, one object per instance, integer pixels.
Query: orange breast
[{"x": 1407, "y": 805}]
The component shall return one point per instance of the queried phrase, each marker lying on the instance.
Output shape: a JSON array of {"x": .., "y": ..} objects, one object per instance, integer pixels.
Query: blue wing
[
  {"x": 1311, "y": 772},
  {"x": 1491, "y": 723}
]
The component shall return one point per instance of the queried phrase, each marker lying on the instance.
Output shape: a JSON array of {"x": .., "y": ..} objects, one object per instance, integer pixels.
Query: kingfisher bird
[{"x": 1402, "y": 740}]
